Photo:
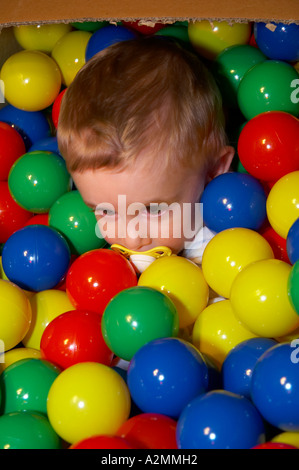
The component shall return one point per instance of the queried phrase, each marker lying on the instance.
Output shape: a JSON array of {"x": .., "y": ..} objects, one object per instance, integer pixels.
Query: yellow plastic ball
[
  {"x": 2, "y": 273},
  {"x": 228, "y": 253},
  {"x": 69, "y": 53},
  {"x": 287, "y": 437},
  {"x": 288, "y": 338},
  {"x": 87, "y": 399},
  {"x": 46, "y": 305},
  {"x": 259, "y": 297},
  {"x": 217, "y": 331},
  {"x": 40, "y": 37},
  {"x": 209, "y": 38},
  {"x": 17, "y": 354},
  {"x": 31, "y": 80},
  {"x": 182, "y": 281},
  {"x": 283, "y": 203},
  {"x": 15, "y": 315}
]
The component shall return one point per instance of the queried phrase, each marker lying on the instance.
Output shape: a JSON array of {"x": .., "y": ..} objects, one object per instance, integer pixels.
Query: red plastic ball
[
  {"x": 268, "y": 145},
  {"x": 73, "y": 337},
  {"x": 274, "y": 445},
  {"x": 12, "y": 216},
  {"x": 143, "y": 28},
  {"x": 11, "y": 148},
  {"x": 56, "y": 107},
  {"x": 96, "y": 276},
  {"x": 150, "y": 431},
  {"x": 277, "y": 243},
  {"x": 102, "y": 442},
  {"x": 41, "y": 219}
]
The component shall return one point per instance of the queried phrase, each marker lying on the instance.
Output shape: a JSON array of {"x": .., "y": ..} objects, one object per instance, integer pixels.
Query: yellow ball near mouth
[
  {"x": 87, "y": 399},
  {"x": 31, "y": 80},
  {"x": 259, "y": 297},
  {"x": 182, "y": 281},
  {"x": 228, "y": 253}
]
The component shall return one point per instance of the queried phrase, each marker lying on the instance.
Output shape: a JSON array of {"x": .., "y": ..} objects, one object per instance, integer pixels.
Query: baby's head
[{"x": 142, "y": 131}]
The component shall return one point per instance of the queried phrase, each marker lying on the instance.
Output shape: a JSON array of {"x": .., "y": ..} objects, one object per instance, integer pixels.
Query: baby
[{"x": 141, "y": 130}]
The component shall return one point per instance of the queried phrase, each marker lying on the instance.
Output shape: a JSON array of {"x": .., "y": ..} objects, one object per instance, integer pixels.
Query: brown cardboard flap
[{"x": 50, "y": 11}]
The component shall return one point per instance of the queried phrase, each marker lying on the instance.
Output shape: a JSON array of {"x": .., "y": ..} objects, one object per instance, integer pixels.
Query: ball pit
[{"x": 216, "y": 345}]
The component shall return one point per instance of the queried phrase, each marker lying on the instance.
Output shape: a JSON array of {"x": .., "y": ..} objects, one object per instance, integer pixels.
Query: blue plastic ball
[
  {"x": 293, "y": 242},
  {"x": 49, "y": 144},
  {"x": 36, "y": 258},
  {"x": 220, "y": 420},
  {"x": 278, "y": 41},
  {"x": 32, "y": 125},
  {"x": 234, "y": 200},
  {"x": 165, "y": 374},
  {"x": 239, "y": 363},
  {"x": 105, "y": 37},
  {"x": 275, "y": 387}
]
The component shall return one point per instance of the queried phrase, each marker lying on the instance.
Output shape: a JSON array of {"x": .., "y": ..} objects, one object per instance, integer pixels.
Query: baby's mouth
[{"x": 142, "y": 259}]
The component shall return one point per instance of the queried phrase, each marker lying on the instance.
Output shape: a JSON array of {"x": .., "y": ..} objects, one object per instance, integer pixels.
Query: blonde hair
[{"x": 141, "y": 94}]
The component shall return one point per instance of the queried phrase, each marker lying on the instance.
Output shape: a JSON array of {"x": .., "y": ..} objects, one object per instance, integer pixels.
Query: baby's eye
[
  {"x": 155, "y": 210},
  {"x": 104, "y": 212}
]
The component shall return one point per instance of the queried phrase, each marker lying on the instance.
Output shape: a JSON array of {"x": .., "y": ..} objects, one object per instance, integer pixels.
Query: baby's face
[{"x": 143, "y": 209}]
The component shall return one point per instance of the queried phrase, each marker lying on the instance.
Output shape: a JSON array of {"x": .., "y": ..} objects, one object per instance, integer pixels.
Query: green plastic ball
[
  {"x": 70, "y": 216},
  {"x": 91, "y": 26},
  {"x": 293, "y": 286},
  {"x": 25, "y": 385},
  {"x": 230, "y": 67},
  {"x": 136, "y": 316},
  {"x": 268, "y": 87},
  {"x": 26, "y": 430},
  {"x": 37, "y": 179}
]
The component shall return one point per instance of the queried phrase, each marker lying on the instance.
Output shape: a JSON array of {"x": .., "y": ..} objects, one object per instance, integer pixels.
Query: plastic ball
[
  {"x": 25, "y": 385},
  {"x": 102, "y": 442},
  {"x": 15, "y": 314},
  {"x": 38, "y": 179},
  {"x": 56, "y": 108},
  {"x": 268, "y": 146},
  {"x": 17, "y": 354},
  {"x": 107, "y": 36},
  {"x": 49, "y": 144},
  {"x": 70, "y": 216},
  {"x": 259, "y": 298},
  {"x": 31, "y": 80},
  {"x": 12, "y": 147},
  {"x": 31, "y": 125},
  {"x": 87, "y": 399},
  {"x": 239, "y": 363},
  {"x": 274, "y": 445},
  {"x": 149, "y": 431},
  {"x": 293, "y": 242},
  {"x": 217, "y": 331},
  {"x": 165, "y": 374},
  {"x": 38, "y": 219},
  {"x": 89, "y": 25},
  {"x": 136, "y": 316},
  {"x": 203, "y": 423},
  {"x": 277, "y": 243},
  {"x": 97, "y": 276},
  {"x": 228, "y": 253},
  {"x": 287, "y": 437},
  {"x": 182, "y": 281},
  {"x": 234, "y": 200},
  {"x": 278, "y": 40},
  {"x": 283, "y": 203},
  {"x": 143, "y": 28},
  {"x": 75, "y": 337},
  {"x": 274, "y": 387},
  {"x": 69, "y": 54},
  {"x": 209, "y": 38},
  {"x": 230, "y": 67},
  {"x": 176, "y": 31},
  {"x": 12, "y": 216},
  {"x": 293, "y": 286},
  {"x": 266, "y": 87},
  {"x": 36, "y": 257},
  {"x": 45, "y": 306},
  {"x": 40, "y": 37},
  {"x": 25, "y": 430}
]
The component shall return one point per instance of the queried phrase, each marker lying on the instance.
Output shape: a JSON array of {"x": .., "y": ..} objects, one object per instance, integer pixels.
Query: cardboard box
[{"x": 50, "y": 11}]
